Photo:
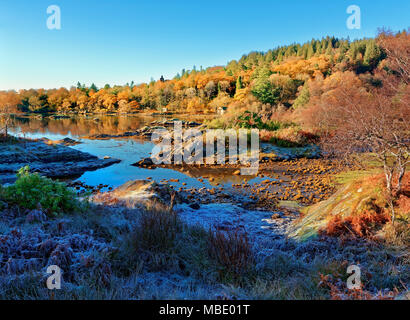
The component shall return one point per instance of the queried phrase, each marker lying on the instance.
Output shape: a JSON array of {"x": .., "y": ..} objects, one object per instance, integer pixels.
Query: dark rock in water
[
  {"x": 59, "y": 116},
  {"x": 66, "y": 142},
  {"x": 54, "y": 161},
  {"x": 147, "y": 162},
  {"x": 193, "y": 124},
  {"x": 102, "y": 136},
  {"x": 275, "y": 216},
  {"x": 69, "y": 142},
  {"x": 195, "y": 206}
]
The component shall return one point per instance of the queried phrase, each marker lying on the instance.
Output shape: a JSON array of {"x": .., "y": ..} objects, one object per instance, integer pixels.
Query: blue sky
[{"x": 119, "y": 41}]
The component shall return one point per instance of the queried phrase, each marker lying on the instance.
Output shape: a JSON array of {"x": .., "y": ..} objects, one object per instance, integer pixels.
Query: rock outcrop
[
  {"x": 53, "y": 161},
  {"x": 139, "y": 193}
]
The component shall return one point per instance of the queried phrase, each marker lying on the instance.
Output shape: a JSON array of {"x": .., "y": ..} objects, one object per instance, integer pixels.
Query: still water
[{"x": 129, "y": 150}]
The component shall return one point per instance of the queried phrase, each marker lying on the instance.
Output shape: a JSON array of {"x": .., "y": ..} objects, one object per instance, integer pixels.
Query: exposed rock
[
  {"x": 65, "y": 142},
  {"x": 345, "y": 203},
  {"x": 270, "y": 152},
  {"x": 49, "y": 160},
  {"x": 102, "y": 136},
  {"x": 147, "y": 162},
  {"x": 195, "y": 206},
  {"x": 170, "y": 123},
  {"x": 275, "y": 216},
  {"x": 144, "y": 133},
  {"x": 139, "y": 193},
  {"x": 59, "y": 116}
]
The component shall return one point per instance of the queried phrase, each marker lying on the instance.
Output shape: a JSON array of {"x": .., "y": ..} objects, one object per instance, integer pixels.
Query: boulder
[
  {"x": 146, "y": 162},
  {"x": 139, "y": 193}
]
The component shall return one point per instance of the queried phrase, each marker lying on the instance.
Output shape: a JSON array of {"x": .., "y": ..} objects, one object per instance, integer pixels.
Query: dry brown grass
[
  {"x": 157, "y": 230},
  {"x": 364, "y": 224},
  {"x": 231, "y": 250},
  {"x": 338, "y": 291}
]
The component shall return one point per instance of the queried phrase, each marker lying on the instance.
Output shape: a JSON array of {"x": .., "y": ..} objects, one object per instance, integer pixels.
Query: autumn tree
[
  {"x": 354, "y": 119},
  {"x": 397, "y": 49},
  {"x": 244, "y": 81},
  {"x": 8, "y": 105}
]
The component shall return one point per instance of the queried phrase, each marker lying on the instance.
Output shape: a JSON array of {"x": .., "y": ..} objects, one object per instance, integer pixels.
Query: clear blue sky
[{"x": 119, "y": 41}]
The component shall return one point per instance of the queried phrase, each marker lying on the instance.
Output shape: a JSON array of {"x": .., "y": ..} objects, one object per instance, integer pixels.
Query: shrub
[
  {"x": 31, "y": 190},
  {"x": 338, "y": 290},
  {"x": 231, "y": 250},
  {"x": 253, "y": 120},
  {"x": 288, "y": 136},
  {"x": 217, "y": 123},
  {"x": 249, "y": 120},
  {"x": 156, "y": 230},
  {"x": 398, "y": 233},
  {"x": 365, "y": 224}
]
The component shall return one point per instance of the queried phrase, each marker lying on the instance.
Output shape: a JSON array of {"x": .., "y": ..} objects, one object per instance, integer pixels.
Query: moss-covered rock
[{"x": 353, "y": 198}]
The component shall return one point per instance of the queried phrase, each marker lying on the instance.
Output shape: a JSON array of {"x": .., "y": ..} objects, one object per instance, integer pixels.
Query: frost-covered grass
[{"x": 120, "y": 253}]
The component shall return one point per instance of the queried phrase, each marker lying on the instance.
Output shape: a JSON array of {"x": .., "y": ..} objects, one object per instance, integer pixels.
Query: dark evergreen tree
[{"x": 239, "y": 83}]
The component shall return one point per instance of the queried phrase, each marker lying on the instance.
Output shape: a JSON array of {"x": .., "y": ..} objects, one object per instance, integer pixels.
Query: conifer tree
[{"x": 239, "y": 83}]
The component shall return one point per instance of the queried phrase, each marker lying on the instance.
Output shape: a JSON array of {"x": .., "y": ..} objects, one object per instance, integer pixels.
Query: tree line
[{"x": 263, "y": 80}]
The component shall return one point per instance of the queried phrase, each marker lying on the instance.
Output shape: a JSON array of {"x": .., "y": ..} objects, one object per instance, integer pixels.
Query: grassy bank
[
  {"x": 119, "y": 253},
  {"x": 281, "y": 133}
]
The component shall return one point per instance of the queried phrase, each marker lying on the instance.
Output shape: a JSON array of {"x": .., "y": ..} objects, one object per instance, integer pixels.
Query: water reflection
[
  {"x": 128, "y": 150},
  {"x": 78, "y": 126}
]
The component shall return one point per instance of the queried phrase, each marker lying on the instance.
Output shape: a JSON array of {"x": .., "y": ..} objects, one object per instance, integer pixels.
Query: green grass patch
[
  {"x": 289, "y": 204},
  {"x": 347, "y": 177}
]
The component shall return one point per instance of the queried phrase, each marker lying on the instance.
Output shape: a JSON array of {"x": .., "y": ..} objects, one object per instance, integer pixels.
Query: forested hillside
[{"x": 258, "y": 82}]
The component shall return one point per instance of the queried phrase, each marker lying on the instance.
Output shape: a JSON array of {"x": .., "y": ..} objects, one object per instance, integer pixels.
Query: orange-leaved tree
[{"x": 9, "y": 101}]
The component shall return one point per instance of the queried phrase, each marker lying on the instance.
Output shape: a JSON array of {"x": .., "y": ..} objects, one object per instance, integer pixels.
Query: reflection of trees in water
[{"x": 79, "y": 126}]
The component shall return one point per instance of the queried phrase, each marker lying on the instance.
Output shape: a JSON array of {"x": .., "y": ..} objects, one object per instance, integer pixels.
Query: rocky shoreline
[
  {"x": 100, "y": 247},
  {"x": 53, "y": 160}
]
